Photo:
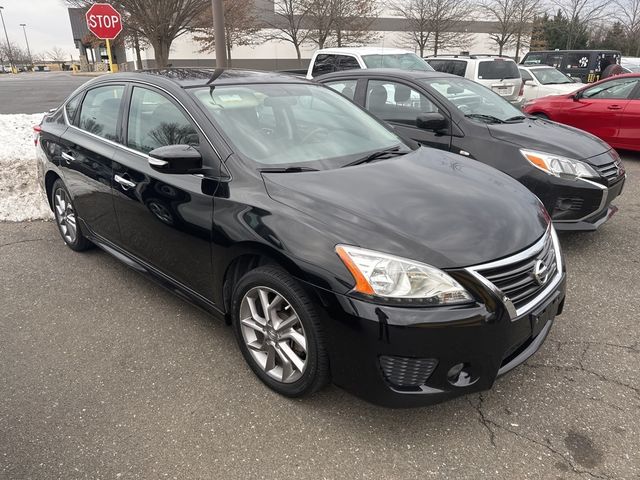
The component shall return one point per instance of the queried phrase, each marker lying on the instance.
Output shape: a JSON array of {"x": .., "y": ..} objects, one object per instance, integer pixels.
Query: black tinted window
[
  {"x": 156, "y": 122},
  {"x": 576, "y": 60},
  {"x": 323, "y": 64},
  {"x": 497, "y": 70},
  {"x": 345, "y": 62},
  {"x": 72, "y": 107},
  {"x": 396, "y": 102},
  {"x": 454, "y": 67},
  {"x": 100, "y": 109}
]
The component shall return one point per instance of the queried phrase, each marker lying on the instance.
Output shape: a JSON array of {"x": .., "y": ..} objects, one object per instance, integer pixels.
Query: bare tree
[
  {"x": 341, "y": 22},
  {"x": 526, "y": 12},
  {"x": 57, "y": 55},
  {"x": 288, "y": 23},
  {"x": 241, "y": 27},
  {"x": 579, "y": 14},
  {"x": 630, "y": 20},
  {"x": 352, "y": 20},
  {"x": 158, "y": 21},
  {"x": 505, "y": 14},
  {"x": 434, "y": 23}
]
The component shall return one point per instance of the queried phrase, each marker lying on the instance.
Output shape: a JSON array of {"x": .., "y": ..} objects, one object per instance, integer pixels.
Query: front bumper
[
  {"x": 376, "y": 350},
  {"x": 587, "y": 207}
]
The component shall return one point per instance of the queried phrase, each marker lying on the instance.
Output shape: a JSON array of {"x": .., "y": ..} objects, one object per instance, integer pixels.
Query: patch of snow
[{"x": 20, "y": 196}]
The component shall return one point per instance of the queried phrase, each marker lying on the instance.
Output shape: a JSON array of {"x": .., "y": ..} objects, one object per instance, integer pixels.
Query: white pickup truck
[{"x": 327, "y": 60}]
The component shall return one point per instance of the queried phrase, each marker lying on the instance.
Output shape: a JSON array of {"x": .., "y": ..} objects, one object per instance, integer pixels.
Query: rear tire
[
  {"x": 278, "y": 329},
  {"x": 67, "y": 219}
]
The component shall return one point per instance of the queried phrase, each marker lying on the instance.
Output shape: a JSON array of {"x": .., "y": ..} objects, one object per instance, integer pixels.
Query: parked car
[
  {"x": 542, "y": 80},
  {"x": 608, "y": 109},
  {"x": 632, "y": 64},
  {"x": 329, "y": 60},
  {"x": 335, "y": 249},
  {"x": 575, "y": 175},
  {"x": 500, "y": 74},
  {"x": 587, "y": 65}
]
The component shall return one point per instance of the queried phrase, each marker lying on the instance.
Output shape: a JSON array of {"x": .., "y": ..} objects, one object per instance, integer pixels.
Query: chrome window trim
[
  {"x": 125, "y": 147},
  {"x": 516, "y": 313}
]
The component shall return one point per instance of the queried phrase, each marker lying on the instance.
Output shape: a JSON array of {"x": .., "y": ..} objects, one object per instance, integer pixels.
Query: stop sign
[{"x": 103, "y": 21}]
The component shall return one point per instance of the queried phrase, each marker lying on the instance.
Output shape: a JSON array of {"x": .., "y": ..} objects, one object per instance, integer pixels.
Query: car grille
[
  {"x": 406, "y": 372},
  {"x": 611, "y": 170},
  {"x": 519, "y": 280}
]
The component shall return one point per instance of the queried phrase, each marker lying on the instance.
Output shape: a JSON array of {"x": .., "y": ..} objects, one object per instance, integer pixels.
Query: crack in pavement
[
  {"x": 634, "y": 347},
  {"x": 584, "y": 370},
  {"x": 488, "y": 423}
]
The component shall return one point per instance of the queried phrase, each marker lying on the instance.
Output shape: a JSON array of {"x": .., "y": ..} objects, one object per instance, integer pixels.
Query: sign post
[{"x": 105, "y": 23}]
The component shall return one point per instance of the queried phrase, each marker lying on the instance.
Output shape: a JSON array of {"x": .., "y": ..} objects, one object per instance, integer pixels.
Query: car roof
[
  {"x": 200, "y": 77},
  {"x": 386, "y": 72},
  {"x": 542, "y": 65},
  {"x": 364, "y": 50}
]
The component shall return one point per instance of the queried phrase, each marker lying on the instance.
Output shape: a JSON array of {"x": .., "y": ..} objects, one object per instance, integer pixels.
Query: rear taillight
[
  {"x": 36, "y": 134},
  {"x": 521, "y": 92}
]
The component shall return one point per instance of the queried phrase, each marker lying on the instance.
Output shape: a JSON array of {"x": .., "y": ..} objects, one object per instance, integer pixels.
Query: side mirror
[
  {"x": 175, "y": 159},
  {"x": 432, "y": 121},
  {"x": 528, "y": 81},
  {"x": 576, "y": 96}
]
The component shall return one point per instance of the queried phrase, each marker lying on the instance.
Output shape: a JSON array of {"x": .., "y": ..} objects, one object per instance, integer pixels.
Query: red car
[{"x": 609, "y": 109}]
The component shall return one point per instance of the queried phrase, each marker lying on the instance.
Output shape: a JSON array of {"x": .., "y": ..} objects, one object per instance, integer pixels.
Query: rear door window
[
  {"x": 72, "y": 108},
  {"x": 100, "y": 111},
  {"x": 454, "y": 67},
  {"x": 497, "y": 69}
]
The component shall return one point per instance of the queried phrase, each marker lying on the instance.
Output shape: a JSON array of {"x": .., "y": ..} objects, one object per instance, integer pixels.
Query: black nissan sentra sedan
[
  {"x": 575, "y": 174},
  {"x": 337, "y": 251}
]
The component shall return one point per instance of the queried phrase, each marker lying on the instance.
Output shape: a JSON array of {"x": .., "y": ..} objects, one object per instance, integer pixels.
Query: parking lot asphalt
[
  {"x": 104, "y": 374},
  {"x": 36, "y": 92}
]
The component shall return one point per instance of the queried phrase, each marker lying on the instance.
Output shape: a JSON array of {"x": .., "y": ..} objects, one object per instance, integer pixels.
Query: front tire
[
  {"x": 67, "y": 219},
  {"x": 278, "y": 329}
]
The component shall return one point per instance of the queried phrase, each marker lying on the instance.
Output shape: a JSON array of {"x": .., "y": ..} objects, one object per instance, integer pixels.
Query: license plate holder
[{"x": 539, "y": 318}]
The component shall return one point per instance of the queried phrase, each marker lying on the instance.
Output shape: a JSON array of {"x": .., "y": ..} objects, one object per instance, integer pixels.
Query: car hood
[
  {"x": 562, "y": 89},
  {"x": 428, "y": 205},
  {"x": 551, "y": 137}
]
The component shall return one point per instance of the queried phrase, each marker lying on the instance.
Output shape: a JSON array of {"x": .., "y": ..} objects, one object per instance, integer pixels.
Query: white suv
[
  {"x": 328, "y": 60},
  {"x": 500, "y": 74}
]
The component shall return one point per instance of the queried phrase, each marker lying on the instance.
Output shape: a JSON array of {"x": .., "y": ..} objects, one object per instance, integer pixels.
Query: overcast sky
[{"x": 47, "y": 24}]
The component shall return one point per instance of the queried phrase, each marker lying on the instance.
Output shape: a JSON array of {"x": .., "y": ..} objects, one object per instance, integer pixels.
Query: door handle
[
  {"x": 614, "y": 107},
  {"x": 126, "y": 184},
  {"x": 67, "y": 157}
]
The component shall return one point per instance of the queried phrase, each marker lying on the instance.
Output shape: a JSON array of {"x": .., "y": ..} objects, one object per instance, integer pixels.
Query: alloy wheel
[
  {"x": 273, "y": 333},
  {"x": 65, "y": 215}
]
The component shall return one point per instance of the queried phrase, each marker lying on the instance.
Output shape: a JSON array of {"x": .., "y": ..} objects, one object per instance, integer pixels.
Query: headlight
[
  {"x": 398, "y": 278},
  {"x": 558, "y": 165}
]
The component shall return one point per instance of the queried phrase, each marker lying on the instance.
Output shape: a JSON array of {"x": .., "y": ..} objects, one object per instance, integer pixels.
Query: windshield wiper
[
  {"x": 393, "y": 151},
  {"x": 517, "y": 117},
  {"x": 482, "y": 116},
  {"x": 288, "y": 170}
]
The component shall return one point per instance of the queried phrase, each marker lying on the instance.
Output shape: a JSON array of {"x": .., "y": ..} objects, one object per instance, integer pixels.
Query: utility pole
[
  {"x": 218, "y": 32},
  {"x": 24, "y": 30},
  {"x": 7, "y": 37}
]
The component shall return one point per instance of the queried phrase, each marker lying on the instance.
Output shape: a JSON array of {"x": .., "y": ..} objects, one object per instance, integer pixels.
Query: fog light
[{"x": 461, "y": 375}]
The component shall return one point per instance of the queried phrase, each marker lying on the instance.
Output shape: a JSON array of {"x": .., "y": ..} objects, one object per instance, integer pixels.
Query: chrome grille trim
[
  {"x": 609, "y": 170},
  {"x": 547, "y": 245}
]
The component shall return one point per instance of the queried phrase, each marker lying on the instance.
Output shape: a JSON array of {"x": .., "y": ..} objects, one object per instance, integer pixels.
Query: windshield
[
  {"x": 403, "y": 61},
  {"x": 294, "y": 125},
  {"x": 550, "y": 76},
  {"x": 497, "y": 69},
  {"x": 474, "y": 100}
]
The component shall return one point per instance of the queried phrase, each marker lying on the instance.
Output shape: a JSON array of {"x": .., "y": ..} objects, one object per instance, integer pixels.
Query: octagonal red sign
[{"x": 104, "y": 21}]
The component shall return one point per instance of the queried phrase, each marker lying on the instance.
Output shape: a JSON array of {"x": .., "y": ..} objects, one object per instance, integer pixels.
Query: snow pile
[{"x": 20, "y": 195}]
